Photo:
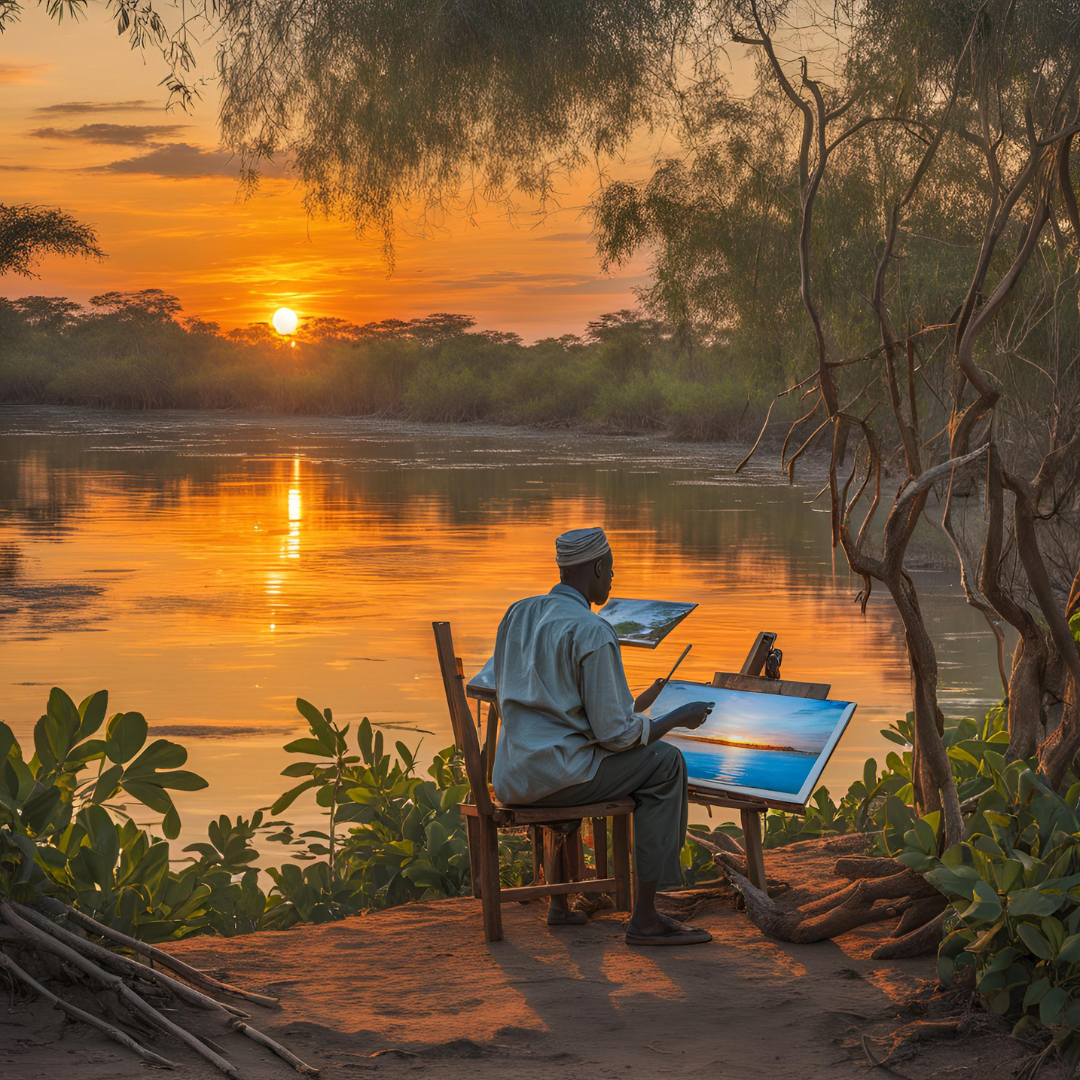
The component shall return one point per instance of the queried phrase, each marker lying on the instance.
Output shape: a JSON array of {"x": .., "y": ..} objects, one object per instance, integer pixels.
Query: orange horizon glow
[{"x": 165, "y": 201}]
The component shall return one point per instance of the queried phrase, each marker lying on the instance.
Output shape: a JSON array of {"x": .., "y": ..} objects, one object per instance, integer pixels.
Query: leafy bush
[
  {"x": 391, "y": 836},
  {"x": 1014, "y": 885}
]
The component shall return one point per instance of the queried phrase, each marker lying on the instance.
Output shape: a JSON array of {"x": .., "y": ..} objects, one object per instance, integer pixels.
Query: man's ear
[{"x": 598, "y": 568}]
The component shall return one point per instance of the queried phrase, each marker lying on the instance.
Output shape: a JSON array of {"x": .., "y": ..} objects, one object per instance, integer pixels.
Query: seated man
[{"x": 572, "y": 733}]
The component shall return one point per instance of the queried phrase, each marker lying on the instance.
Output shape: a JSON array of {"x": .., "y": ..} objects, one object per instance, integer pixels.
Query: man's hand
[
  {"x": 691, "y": 715},
  {"x": 697, "y": 712},
  {"x": 647, "y": 697}
]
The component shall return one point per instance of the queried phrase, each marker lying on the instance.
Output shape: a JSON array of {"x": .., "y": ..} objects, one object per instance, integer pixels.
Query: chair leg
[
  {"x": 620, "y": 855},
  {"x": 472, "y": 831},
  {"x": 599, "y": 843},
  {"x": 489, "y": 879},
  {"x": 575, "y": 855},
  {"x": 536, "y": 834},
  {"x": 553, "y": 856}
]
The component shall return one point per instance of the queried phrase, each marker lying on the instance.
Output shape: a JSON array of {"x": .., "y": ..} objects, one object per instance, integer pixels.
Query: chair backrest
[{"x": 461, "y": 716}]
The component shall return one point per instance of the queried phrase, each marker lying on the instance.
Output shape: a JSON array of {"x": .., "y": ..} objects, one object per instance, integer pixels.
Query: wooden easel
[{"x": 748, "y": 679}]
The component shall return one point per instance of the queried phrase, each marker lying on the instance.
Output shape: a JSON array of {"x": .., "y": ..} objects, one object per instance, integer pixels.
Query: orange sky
[{"x": 83, "y": 127}]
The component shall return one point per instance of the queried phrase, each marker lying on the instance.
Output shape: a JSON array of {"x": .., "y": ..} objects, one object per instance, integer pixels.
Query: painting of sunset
[{"x": 764, "y": 745}]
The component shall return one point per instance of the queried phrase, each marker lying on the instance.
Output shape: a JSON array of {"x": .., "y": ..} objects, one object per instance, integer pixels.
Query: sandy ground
[{"x": 415, "y": 991}]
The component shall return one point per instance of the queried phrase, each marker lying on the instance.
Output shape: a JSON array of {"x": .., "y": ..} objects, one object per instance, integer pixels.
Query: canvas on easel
[{"x": 758, "y": 746}]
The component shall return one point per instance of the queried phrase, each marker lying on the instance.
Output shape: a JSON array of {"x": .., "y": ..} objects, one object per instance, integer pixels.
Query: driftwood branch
[
  {"x": 30, "y": 929},
  {"x": 107, "y": 980},
  {"x": 159, "y": 956},
  {"x": 76, "y": 1013}
]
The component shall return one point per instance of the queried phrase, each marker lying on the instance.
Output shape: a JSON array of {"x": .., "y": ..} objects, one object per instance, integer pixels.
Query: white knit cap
[{"x": 580, "y": 546}]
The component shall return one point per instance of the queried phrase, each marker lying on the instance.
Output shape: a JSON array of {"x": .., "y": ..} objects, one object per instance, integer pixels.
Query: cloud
[
  {"x": 176, "y": 160},
  {"x": 23, "y": 74},
  {"x": 184, "y": 161},
  {"x": 111, "y": 134},
  {"x": 564, "y": 237},
  {"x": 495, "y": 278},
  {"x": 76, "y": 108},
  {"x": 597, "y": 286}
]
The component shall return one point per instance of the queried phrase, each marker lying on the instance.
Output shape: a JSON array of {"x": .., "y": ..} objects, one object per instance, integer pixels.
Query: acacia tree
[{"x": 27, "y": 233}]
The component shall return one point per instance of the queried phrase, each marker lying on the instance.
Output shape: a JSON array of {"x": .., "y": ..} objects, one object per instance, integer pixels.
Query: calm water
[{"x": 209, "y": 569}]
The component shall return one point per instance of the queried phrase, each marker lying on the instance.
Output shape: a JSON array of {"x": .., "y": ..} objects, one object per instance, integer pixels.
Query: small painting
[
  {"x": 766, "y": 746},
  {"x": 644, "y": 623}
]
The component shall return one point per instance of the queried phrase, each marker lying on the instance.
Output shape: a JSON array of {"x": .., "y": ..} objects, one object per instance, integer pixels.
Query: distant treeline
[{"x": 135, "y": 350}]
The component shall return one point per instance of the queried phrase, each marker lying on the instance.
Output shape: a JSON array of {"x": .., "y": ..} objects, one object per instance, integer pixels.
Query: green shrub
[
  {"x": 1014, "y": 887},
  {"x": 65, "y": 830}
]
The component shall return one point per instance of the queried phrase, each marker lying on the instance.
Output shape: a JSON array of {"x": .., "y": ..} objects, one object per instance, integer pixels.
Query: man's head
[{"x": 585, "y": 563}]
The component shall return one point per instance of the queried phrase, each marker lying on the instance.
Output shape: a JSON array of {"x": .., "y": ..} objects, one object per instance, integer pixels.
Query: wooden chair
[{"x": 563, "y": 861}]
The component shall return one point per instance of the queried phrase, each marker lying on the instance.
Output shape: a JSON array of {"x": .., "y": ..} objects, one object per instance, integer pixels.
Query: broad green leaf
[
  {"x": 869, "y": 774},
  {"x": 1035, "y": 941},
  {"x": 894, "y": 736},
  {"x": 160, "y": 754},
  {"x": 107, "y": 784},
  {"x": 986, "y": 906},
  {"x": 148, "y": 793},
  {"x": 1070, "y": 949},
  {"x": 1009, "y": 874},
  {"x": 298, "y": 768},
  {"x": 290, "y": 796},
  {"x": 1054, "y": 932},
  {"x": 92, "y": 713},
  {"x": 126, "y": 734},
  {"x": 317, "y": 722},
  {"x": 170, "y": 823},
  {"x": 62, "y": 722},
  {"x": 309, "y": 746},
  {"x": 1000, "y": 1003},
  {"x": 926, "y": 837},
  {"x": 179, "y": 780},
  {"x": 43, "y": 746},
  {"x": 1036, "y": 992},
  {"x": 7, "y": 741},
  {"x": 1053, "y": 1004},
  {"x": 1034, "y": 902},
  {"x": 363, "y": 739},
  {"x": 43, "y": 810}
]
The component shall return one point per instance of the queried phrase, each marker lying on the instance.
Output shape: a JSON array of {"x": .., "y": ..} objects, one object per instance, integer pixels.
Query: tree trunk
[
  {"x": 931, "y": 770},
  {"x": 1026, "y": 684}
]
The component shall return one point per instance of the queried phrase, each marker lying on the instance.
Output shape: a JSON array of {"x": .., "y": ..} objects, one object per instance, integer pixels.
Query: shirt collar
[{"x": 570, "y": 593}]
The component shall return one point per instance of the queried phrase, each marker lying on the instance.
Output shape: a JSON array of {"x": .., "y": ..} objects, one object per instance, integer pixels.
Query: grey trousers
[{"x": 654, "y": 776}]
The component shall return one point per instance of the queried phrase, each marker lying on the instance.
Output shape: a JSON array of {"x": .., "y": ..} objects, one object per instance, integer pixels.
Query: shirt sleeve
[{"x": 609, "y": 705}]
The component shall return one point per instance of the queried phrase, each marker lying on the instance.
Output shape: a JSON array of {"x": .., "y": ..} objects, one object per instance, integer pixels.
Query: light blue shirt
[{"x": 563, "y": 697}]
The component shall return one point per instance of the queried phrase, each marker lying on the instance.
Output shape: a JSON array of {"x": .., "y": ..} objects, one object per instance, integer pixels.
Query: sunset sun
[{"x": 285, "y": 321}]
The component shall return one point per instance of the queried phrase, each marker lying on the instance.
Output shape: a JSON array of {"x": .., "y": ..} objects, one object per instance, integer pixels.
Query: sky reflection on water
[{"x": 207, "y": 570}]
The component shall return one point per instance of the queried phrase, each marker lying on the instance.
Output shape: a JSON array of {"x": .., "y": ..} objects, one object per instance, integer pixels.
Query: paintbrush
[{"x": 677, "y": 663}]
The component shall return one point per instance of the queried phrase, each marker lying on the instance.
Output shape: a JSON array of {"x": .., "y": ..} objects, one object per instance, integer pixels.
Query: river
[{"x": 207, "y": 569}]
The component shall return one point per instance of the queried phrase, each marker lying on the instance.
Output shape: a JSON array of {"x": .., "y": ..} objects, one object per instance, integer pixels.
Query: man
[{"x": 572, "y": 733}]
